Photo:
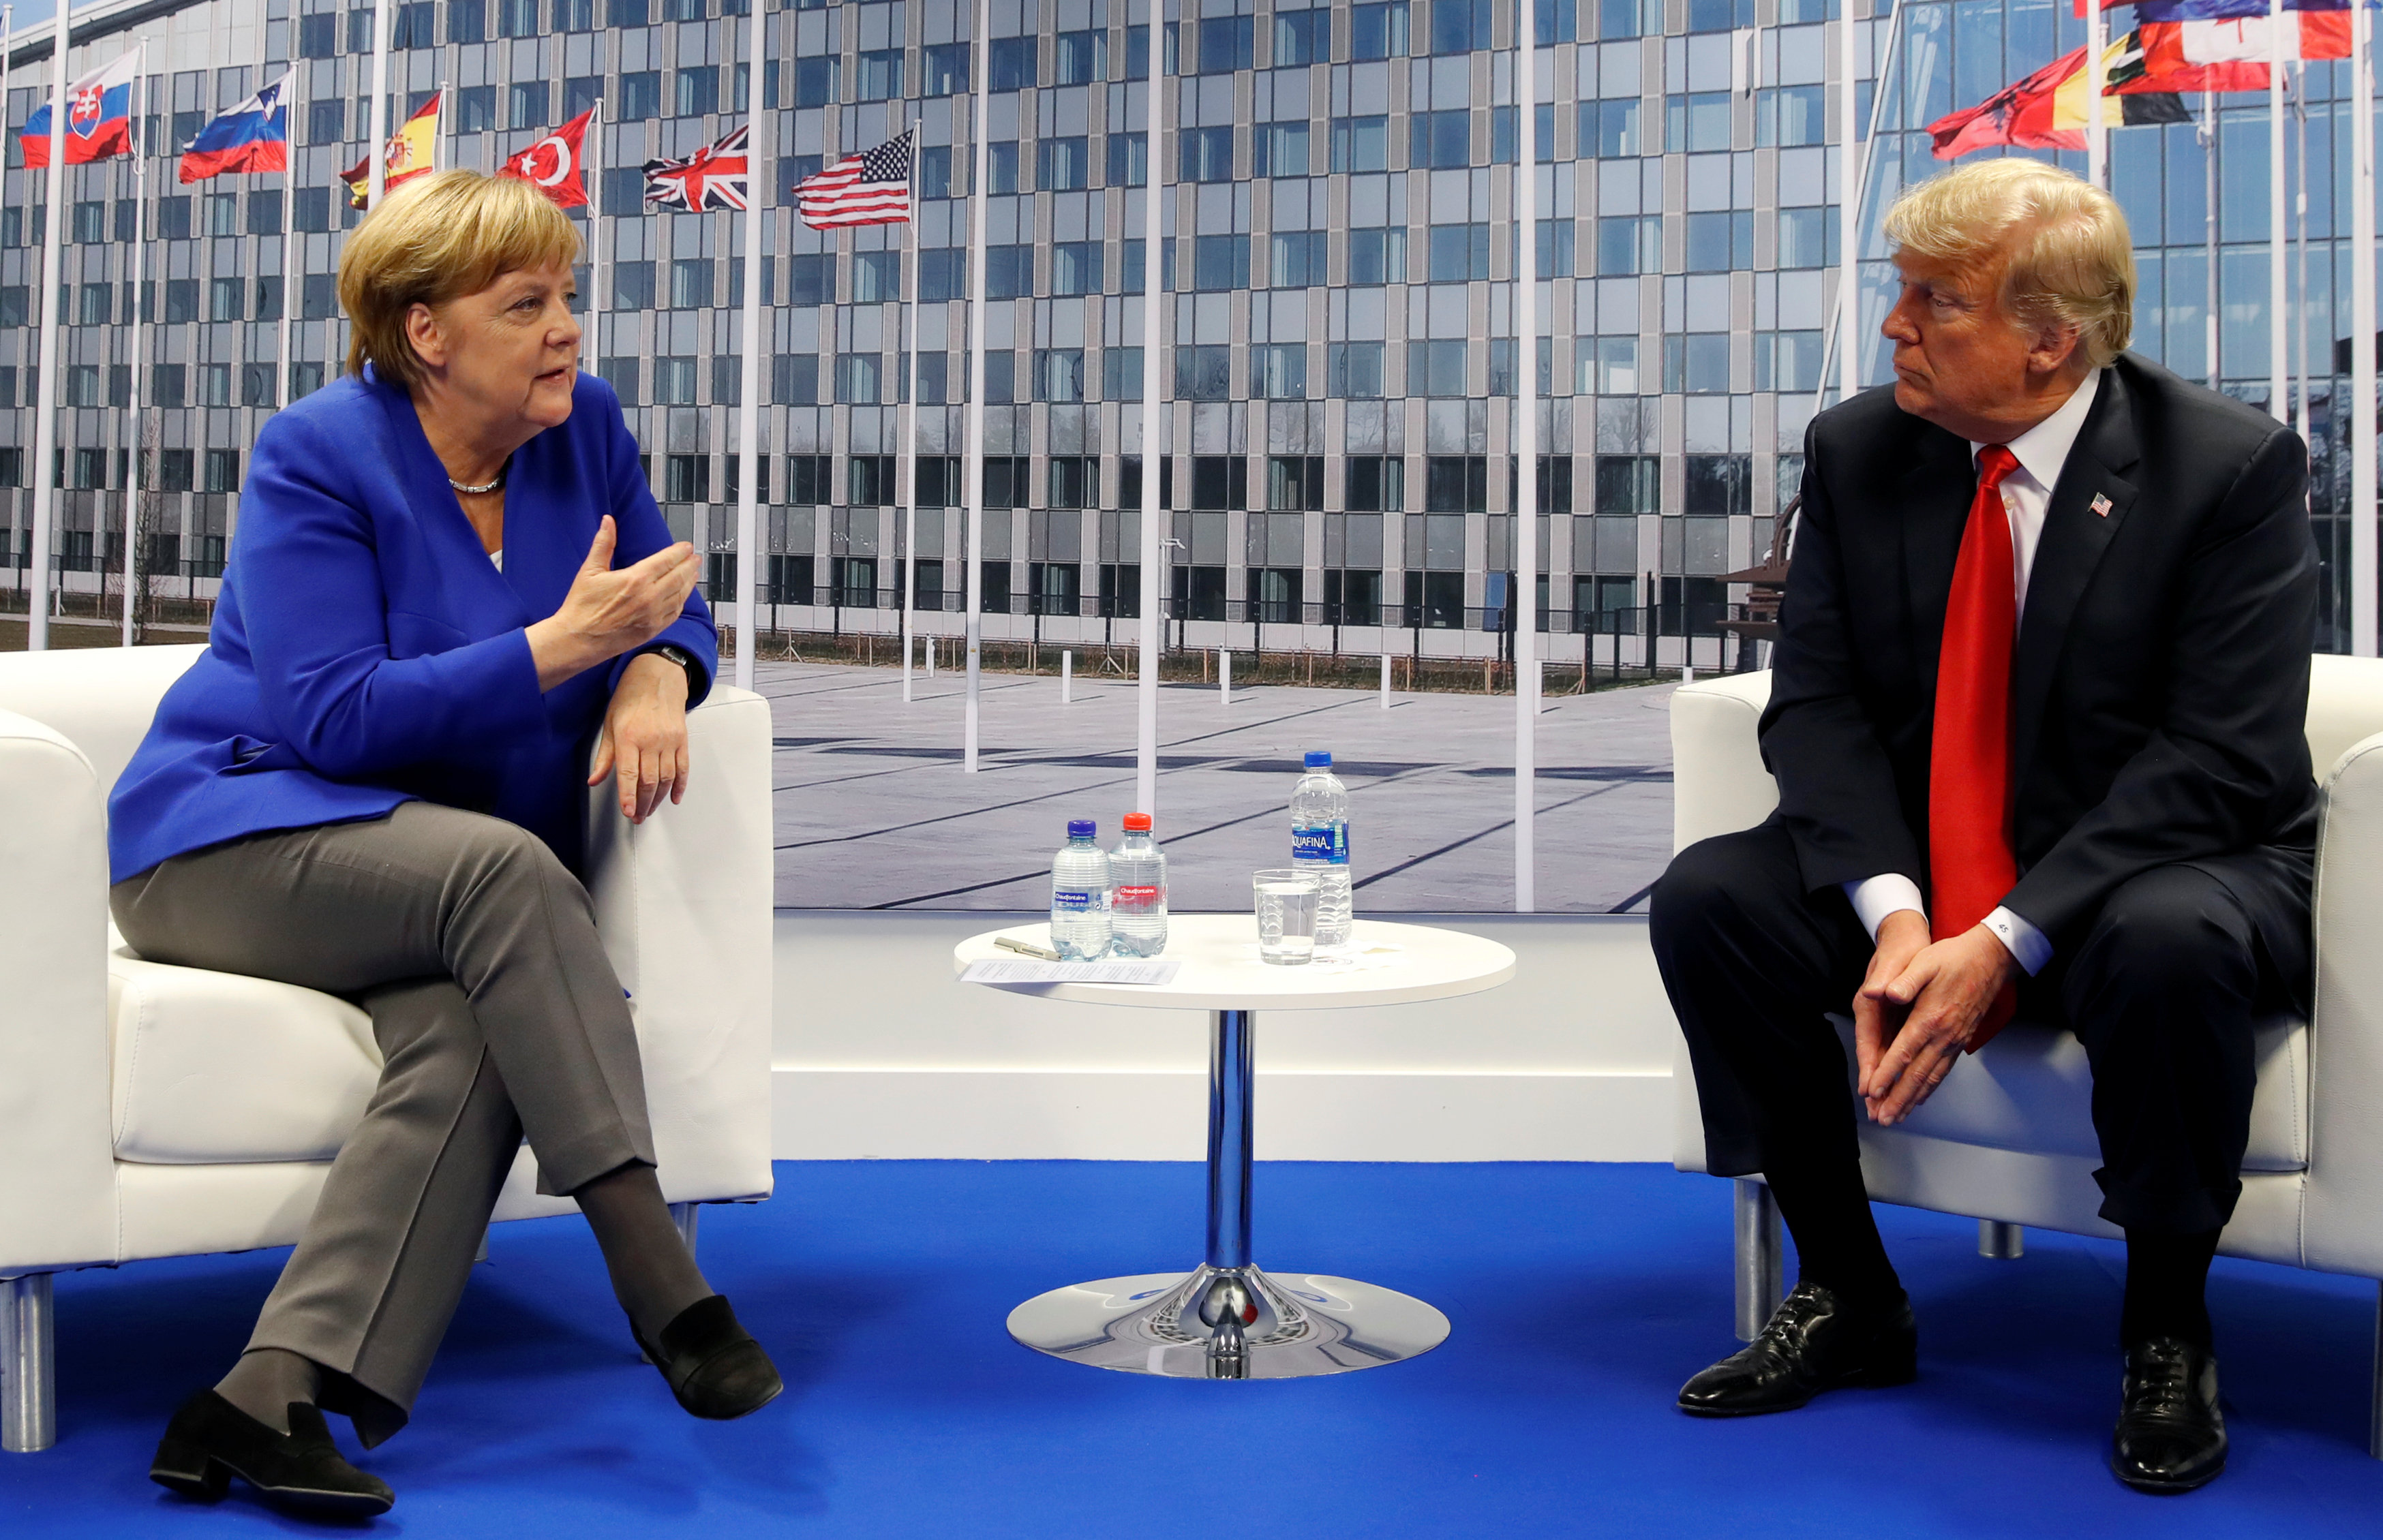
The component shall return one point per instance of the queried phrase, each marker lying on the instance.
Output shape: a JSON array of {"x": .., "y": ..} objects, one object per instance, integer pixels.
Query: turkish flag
[{"x": 554, "y": 162}]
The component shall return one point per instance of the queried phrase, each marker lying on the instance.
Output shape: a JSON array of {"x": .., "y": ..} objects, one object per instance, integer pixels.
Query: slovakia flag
[
  {"x": 99, "y": 118},
  {"x": 253, "y": 136}
]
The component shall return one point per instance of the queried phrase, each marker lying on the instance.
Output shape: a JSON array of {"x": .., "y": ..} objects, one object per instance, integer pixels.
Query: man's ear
[
  {"x": 2054, "y": 348},
  {"x": 430, "y": 339}
]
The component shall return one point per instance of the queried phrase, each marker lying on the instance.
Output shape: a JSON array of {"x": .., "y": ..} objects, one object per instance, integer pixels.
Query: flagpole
[
  {"x": 2097, "y": 144},
  {"x": 592, "y": 172},
  {"x": 1154, "y": 423},
  {"x": 45, "y": 414},
  {"x": 376, "y": 152},
  {"x": 139, "y": 270},
  {"x": 439, "y": 131},
  {"x": 2299, "y": 242},
  {"x": 1849, "y": 209},
  {"x": 292, "y": 286},
  {"x": 2362, "y": 333},
  {"x": 748, "y": 400},
  {"x": 2278, "y": 297},
  {"x": 974, "y": 620},
  {"x": 910, "y": 417},
  {"x": 1523, "y": 603}
]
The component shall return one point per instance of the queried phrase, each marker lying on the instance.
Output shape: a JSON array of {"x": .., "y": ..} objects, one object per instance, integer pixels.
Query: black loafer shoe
[
  {"x": 1814, "y": 1342},
  {"x": 2170, "y": 1435},
  {"x": 713, "y": 1364},
  {"x": 210, "y": 1441}
]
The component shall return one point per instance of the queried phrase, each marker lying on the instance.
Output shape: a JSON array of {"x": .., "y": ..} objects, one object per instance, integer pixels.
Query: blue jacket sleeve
[
  {"x": 639, "y": 530},
  {"x": 316, "y": 613}
]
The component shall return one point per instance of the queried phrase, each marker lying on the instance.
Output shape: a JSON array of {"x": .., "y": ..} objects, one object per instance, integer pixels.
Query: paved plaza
[{"x": 873, "y": 810}]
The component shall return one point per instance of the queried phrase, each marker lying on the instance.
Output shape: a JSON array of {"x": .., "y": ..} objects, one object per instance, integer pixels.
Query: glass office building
[{"x": 1341, "y": 367}]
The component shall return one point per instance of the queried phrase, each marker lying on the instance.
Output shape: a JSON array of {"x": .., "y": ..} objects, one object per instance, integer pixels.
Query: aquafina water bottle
[
  {"x": 1080, "y": 895},
  {"x": 1320, "y": 843},
  {"x": 1137, "y": 901}
]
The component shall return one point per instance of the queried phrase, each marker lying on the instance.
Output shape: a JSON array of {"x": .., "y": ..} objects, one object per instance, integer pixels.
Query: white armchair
[
  {"x": 2008, "y": 1137},
  {"x": 149, "y": 1111}
]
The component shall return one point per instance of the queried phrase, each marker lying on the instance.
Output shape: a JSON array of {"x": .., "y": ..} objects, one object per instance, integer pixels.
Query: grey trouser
[{"x": 475, "y": 951}]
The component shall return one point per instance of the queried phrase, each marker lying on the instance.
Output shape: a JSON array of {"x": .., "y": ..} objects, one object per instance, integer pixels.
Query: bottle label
[
  {"x": 1323, "y": 843},
  {"x": 1075, "y": 901},
  {"x": 1129, "y": 896}
]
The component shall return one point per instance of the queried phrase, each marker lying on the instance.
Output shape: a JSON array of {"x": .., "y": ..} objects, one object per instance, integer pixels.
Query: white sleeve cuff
[
  {"x": 1874, "y": 899},
  {"x": 2028, "y": 944}
]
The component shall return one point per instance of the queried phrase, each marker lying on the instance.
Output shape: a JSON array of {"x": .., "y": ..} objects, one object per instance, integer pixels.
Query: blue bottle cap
[
  {"x": 1318, "y": 760},
  {"x": 1081, "y": 828}
]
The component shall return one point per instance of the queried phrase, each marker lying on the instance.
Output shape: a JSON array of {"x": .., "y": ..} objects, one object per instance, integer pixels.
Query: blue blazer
[{"x": 365, "y": 652}]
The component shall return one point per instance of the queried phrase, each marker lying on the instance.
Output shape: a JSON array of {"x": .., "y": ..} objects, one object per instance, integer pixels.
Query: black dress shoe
[
  {"x": 210, "y": 1441},
  {"x": 2170, "y": 1435},
  {"x": 713, "y": 1364},
  {"x": 1814, "y": 1342}
]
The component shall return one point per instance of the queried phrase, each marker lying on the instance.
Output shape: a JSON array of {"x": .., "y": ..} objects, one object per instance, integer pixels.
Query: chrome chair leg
[
  {"x": 1762, "y": 1274},
  {"x": 2001, "y": 1242},
  {"x": 29, "y": 1392},
  {"x": 685, "y": 1216}
]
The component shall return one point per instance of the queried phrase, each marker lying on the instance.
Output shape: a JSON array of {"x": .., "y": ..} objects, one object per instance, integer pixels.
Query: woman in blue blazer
[{"x": 448, "y": 580}]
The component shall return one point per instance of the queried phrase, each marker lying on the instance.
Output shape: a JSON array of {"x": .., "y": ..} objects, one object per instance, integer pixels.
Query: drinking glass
[{"x": 1286, "y": 904}]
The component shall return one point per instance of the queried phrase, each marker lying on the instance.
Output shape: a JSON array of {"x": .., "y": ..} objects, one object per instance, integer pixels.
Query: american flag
[
  {"x": 873, "y": 188},
  {"x": 711, "y": 178}
]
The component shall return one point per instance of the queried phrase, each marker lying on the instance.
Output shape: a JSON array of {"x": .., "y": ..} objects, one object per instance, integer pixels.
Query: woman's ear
[{"x": 430, "y": 339}]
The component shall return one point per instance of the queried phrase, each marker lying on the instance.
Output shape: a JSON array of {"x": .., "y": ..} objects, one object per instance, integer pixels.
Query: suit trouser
[
  {"x": 497, "y": 1014},
  {"x": 2163, "y": 989}
]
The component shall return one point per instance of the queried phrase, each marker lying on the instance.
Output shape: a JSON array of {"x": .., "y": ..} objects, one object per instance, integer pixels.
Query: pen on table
[{"x": 1029, "y": 948}]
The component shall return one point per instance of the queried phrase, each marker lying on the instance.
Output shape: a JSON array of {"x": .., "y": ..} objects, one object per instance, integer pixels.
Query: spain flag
[{"x": 413, "y": 152}]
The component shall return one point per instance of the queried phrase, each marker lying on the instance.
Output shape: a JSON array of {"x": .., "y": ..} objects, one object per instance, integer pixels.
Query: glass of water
[{"x": 1286, "y": 904}]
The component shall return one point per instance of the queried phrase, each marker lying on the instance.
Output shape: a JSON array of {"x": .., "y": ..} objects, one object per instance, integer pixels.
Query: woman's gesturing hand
[
  {"x": 645, "y": 737},
  {"x": 606, "y": 612}
]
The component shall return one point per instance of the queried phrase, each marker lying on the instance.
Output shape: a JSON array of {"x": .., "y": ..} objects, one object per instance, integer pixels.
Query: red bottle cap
[{"x": 1137, "y": 823}]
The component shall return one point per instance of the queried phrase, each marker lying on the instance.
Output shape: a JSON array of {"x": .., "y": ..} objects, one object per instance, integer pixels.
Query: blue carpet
[{"x": 1582, "y": 1295}]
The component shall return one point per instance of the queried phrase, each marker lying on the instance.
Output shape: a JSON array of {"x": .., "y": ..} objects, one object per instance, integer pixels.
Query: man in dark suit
[{"x": 2036, "y": 720}]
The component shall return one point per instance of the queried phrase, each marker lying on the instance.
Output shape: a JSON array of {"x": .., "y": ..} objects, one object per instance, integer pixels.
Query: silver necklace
[{"x": 484, "y": 487}]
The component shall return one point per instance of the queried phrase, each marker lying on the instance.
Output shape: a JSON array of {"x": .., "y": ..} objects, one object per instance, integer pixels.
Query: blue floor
[{"x": 1582, "y": 1295}]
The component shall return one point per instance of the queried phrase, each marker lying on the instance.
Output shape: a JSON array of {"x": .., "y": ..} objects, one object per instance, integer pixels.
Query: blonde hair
[
  {"x": 432, "y": 241},
  {"x": 2070, "y": 259}
]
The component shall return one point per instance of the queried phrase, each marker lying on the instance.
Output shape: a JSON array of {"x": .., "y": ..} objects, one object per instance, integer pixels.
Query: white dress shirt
[{"x": 2041, "y": 452}]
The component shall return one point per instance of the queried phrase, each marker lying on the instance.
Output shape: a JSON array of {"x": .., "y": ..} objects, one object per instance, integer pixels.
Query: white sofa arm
[
  {"x": 57, "y": 1168},
  {"x": 2344, "y": 1220},
  {"x": 102, "y": 699},
  {"x": 684, "y": 902},
  {"x": 1719, "y": 784}
]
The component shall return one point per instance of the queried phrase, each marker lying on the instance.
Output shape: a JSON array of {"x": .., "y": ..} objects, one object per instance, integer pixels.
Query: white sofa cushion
[
  {"x": 2031, "y": 1090},
  {"x": 213, "y": 1068}
]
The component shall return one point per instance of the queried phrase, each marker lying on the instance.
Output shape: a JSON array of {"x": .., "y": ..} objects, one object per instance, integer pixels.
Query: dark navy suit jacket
[{"x": 365, "y": 652}]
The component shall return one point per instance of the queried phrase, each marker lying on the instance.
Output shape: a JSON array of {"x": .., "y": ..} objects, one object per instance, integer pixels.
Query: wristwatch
[{"x": 685, "y": 659}]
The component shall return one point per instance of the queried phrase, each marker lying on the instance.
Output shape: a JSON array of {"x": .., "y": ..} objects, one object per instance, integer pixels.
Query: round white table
[{"x": 1226, "y": 1319}]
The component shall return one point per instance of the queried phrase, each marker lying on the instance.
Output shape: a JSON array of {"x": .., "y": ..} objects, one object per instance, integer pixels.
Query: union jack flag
[
  {"x": 873, "y": 188},
  {"x": 714, "y": 177}
]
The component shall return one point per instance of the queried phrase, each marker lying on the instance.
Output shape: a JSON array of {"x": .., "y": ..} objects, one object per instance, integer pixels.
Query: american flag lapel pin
[{"x": 2101, "y": 505}]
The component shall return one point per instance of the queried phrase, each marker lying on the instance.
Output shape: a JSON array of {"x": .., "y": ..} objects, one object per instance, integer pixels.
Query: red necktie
[{"x": 1970, "y": 865}]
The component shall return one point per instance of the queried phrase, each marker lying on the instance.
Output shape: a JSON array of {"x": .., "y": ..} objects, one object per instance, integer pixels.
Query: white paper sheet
[{"x": 1026, "y": 970}]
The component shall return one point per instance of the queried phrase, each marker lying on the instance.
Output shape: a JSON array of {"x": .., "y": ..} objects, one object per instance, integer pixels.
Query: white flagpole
[
  {"x": 2278, "y": 297},
  {"x": 748, "y": 399},
  {"x": 439, "y": 131},
  {"x": 974, "y": 620},
  {"x": 592, "y": 176},
  {"x": 139, "y": 270},
  {"x": 2299, "y": 243},
  {"x": 2097, "y": 142},
  {"x": 377, "y": 155},
  {"x": 1523, "y": 602},
  {"x": 292, "y": 285},
  {"x": 910, "y": 464},
  {"x": 45, "y": 299},
  {"x": 1153, "y": 425},
  {"x": 1848, "y": 207},
  {"x": 2362, "y": 333}
]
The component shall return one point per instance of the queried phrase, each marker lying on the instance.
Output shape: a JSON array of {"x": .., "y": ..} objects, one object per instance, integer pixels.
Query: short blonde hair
[
  {"x": 2070, "y": 259},
  {"x": 432, "y": 241}
]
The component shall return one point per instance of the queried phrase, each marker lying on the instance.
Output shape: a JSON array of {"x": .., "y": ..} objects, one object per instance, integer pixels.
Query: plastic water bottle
[
  {"x": 1080, "y": 895},
  {"x": 1138, "y": 903},
  {"x": 1320, "y": 843}
]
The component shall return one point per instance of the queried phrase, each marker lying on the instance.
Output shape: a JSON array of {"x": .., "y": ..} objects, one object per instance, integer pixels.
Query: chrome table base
[{"x": 1227, "y": 1320}]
